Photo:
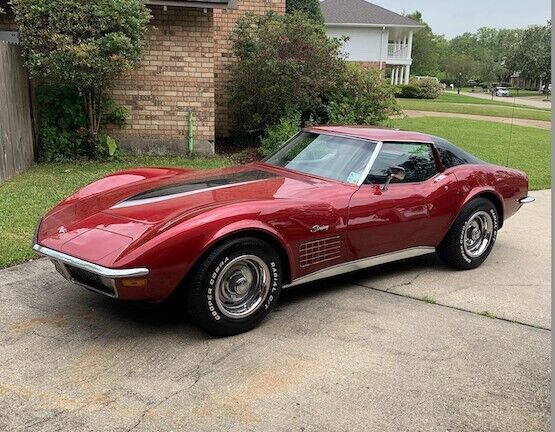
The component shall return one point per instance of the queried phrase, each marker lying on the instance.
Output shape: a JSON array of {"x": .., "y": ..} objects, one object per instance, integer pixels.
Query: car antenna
[{"x": 511, "y": 131}]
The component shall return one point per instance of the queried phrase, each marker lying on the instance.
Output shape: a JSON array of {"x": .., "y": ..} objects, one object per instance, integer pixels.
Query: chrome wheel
[
  {"x": 478, "y": 233},
  {"x": 242, "y": 286}
]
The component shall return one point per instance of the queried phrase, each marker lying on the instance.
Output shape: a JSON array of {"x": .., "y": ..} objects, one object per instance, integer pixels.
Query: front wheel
[
  {"x": 234, "y": 287},
  {"x": 471, "y": 238}
]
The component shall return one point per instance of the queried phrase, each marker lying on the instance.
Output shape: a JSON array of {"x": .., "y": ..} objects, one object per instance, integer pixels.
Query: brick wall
[
  {"x": 176, "y": 76},
  {"x": 224, "y": 23}
]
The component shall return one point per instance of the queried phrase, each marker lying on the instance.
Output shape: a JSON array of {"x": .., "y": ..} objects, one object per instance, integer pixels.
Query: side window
[
  {"x": 417, "y": 160},
  {"x": 449, "y": 159}
]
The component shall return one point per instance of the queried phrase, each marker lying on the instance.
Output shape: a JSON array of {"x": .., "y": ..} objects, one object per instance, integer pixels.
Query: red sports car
[{"x": 331, "y": 200}]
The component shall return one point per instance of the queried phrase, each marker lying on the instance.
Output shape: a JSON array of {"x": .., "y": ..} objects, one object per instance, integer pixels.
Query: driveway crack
[{"x": 457, "y": 308}]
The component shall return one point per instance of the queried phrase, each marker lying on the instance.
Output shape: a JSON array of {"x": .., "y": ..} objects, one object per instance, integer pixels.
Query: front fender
[{"x": 249, "y": 225}]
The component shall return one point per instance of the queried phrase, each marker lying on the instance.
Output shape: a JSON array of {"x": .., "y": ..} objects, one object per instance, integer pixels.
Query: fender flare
[
  {"x": 251, "y": 226},
  {"x": 477, "y": 192}
]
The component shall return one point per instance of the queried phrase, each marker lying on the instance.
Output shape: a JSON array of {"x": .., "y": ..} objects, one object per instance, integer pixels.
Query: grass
[
  {"x": 29, "y": 195},
  {"x": 446, "y": 104},
  {"x": 530, "y": 147},
  {"x": 452, "y": 97}
]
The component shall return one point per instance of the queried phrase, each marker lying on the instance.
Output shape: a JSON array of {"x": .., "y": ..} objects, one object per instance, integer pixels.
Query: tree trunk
[{"x": 92, "y": 103}]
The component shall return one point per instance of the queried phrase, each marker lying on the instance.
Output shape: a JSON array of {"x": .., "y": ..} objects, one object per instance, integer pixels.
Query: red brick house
[{"x": 184, "y": 69}]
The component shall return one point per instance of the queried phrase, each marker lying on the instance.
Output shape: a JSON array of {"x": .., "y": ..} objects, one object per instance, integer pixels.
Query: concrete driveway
[
  {"x": 532, "y": 102},
  {"x": 364, "y": 352}
]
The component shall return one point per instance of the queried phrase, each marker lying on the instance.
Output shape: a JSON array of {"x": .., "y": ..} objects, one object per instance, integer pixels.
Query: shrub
[
  {"x": 82, "y": 44},
  {"x": 285, "y": 63},
  {"x": 62, "y": 123},
  {"x": 63, "y": 133},
  {"x": 428, "y": 89},
  {"x": 276, "y": 135},
  {"x": 362, "y": 97},
  {"x": 422, "y": 89},
  {"x": 407, "y": 91}
]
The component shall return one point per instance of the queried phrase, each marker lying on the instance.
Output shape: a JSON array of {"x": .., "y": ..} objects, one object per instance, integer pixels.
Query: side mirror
[{"x": 397, "y": 173}]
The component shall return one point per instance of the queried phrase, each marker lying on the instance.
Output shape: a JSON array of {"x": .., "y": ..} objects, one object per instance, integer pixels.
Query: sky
[{"x": 453, "y": 18}]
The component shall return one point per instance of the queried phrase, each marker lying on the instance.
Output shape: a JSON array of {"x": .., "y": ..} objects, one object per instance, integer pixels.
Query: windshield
[{"x": 334, "y": 157}]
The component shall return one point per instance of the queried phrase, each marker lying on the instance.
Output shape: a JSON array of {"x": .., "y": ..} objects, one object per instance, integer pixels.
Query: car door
[{"x": 403, "y": 215}]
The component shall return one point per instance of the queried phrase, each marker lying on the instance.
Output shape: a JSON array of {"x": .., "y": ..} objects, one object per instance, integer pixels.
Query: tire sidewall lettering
[
  {"x": 495, "y": 219},
  {"x": 213, "y": 277}
]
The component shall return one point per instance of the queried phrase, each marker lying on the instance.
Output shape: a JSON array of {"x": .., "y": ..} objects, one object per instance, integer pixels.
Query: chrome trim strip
[
  {"x": 88, "y": 266},
  {"x": 362, "y": 264},
  {"x": 370, "y": 163},
  {"x": 125, "y": 204},
  {"x": 527, "y": 200}
]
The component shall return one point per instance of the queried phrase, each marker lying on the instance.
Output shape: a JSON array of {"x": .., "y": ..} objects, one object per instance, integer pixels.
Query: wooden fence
[{"x": 16, "y": 125}]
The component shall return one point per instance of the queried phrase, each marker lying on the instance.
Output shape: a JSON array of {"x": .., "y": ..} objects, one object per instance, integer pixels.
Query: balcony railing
[{"x": 396, "y": 51}]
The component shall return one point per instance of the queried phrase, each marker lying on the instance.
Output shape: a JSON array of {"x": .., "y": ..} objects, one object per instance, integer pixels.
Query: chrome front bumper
[{"x": 89, "y": 275}]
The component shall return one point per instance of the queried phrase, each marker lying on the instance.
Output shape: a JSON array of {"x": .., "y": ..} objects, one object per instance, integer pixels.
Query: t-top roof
[
  {"x": 362, "y": 12},
  {"x": 373, "y": 134}
]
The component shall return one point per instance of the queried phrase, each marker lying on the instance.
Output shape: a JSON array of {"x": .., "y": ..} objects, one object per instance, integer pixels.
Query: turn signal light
[{"x": 134, "y": 282}]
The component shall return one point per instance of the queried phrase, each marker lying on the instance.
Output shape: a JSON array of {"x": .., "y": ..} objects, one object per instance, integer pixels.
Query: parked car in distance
[
  {"x": 501, "y": 91},
  {"x": 330, "y": 201}
]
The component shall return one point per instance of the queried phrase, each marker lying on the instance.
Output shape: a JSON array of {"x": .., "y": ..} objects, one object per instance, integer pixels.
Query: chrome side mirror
[{"x": 397, "y": 173}]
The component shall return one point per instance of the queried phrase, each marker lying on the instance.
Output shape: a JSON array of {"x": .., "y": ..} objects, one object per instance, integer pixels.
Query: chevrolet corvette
[{"x": 329, "y": 201}]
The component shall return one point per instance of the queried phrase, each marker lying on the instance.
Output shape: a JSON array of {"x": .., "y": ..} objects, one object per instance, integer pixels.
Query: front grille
[{"x": 89, "y": 279}]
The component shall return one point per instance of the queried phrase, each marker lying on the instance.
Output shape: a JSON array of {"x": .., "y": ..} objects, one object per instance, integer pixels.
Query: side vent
[{"x": 319, "y": 251}]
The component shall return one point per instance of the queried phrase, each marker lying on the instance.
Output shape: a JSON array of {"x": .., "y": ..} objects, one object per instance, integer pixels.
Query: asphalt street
[{"x": 410, "y": 346}]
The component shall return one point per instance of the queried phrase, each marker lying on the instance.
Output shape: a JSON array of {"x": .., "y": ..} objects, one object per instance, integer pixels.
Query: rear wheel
[
  {"x": 234, "y": 287},
  {"x": 472, "y": 236}
]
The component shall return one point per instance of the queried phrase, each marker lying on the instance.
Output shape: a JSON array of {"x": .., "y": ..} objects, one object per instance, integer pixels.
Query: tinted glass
[
  {"x": 329, "y": 156},
  {"x": 451, "y": 155},
  {"x": 417, "y": 160}
]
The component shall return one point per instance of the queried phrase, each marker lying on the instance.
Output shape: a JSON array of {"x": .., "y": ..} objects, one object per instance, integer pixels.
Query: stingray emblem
[
  {"x": 319, "y": 228},
  {"x": 62, "y": 230}
]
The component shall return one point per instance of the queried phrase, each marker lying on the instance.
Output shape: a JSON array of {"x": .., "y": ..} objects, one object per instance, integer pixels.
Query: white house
[{"x": 377, "y": 37}]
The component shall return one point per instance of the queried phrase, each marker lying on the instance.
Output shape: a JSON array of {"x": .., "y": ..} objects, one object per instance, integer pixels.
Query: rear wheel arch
[{"x": 495, "y": 199}]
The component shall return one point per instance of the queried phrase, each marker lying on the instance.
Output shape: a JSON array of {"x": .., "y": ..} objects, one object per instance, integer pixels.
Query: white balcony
[{"x": 398, "y": 52}]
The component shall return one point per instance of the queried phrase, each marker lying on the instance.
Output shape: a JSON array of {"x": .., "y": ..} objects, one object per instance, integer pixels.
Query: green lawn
[
  {"x": 29, "y": 195},
  {"x": 530, "y": 148},
  {"x": 469, "y": 105}
]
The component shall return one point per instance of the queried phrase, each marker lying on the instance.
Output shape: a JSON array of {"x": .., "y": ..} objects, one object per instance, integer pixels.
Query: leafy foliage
[
  {"x": 63, "y": 133},
  {"x": 422, "y": 89},
  {"x": 82, "y": 44},
  {"x": 285, "y": 63},
  {"x": 361, "y": 97},
  {"x": 62, "y": 124},
  {"x": 289, "y": 74},
  {"x": 276, "y": 135},
  {"x": 310, "y": 7},
  {"x": 427, "y": 49},
  {"x": 532, "y": 55}
]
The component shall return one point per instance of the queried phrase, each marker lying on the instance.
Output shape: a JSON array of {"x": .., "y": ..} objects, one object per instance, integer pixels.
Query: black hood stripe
[{"x": 193, "y": 186}]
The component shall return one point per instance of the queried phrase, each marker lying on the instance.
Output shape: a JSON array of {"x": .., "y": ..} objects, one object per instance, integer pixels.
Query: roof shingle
[{"x": 361, "y": 12}]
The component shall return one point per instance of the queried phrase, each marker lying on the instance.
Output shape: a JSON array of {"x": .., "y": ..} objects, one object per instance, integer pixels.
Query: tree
[
  {"x": 454, "y": 64},
  {"x": 83, "y": 44},
  {"x": 532, "y": 56},
  {"x": 285, "y": 64},
  {"x": 427, "y": 49},
  {"x": 310, "y": 7}
]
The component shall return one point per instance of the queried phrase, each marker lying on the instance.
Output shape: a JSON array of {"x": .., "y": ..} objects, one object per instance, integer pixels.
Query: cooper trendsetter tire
[
  {"x": 234, "y": 287},
  {"x": 471, "y": 238}
]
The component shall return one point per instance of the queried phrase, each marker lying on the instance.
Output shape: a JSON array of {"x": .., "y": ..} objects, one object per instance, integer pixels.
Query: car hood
[{"x": 122, "y": 208}]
